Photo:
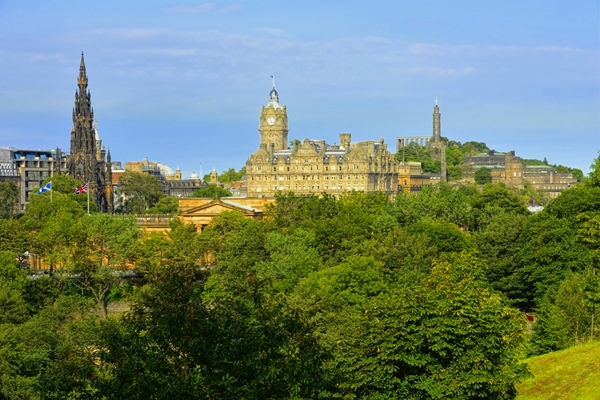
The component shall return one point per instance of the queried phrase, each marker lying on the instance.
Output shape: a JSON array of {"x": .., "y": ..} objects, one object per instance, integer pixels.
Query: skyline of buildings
[
  {"x": 279, "y": 165},
  {"x": 514, "y": 75}
]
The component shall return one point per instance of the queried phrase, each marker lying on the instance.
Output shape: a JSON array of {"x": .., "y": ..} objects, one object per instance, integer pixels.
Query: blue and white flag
[{"x": 46, "y": 188}]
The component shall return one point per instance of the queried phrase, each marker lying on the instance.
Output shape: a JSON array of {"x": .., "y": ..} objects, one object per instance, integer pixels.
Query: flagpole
[
  {"x": 50, "y": 191},
  {"x": 88, "y": 197}
]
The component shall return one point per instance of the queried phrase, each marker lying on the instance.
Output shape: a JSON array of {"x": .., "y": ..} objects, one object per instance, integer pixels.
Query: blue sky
[{"x": 182, "y": 82}]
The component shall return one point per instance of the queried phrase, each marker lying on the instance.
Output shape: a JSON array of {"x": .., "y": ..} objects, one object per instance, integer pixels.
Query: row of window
[
  {"x": 297, "y": 187},
  {"x": 309, "y": 168},
  {"x": 304, "y": 177}
]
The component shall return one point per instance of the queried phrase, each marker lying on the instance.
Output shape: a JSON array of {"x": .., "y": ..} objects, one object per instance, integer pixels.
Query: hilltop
[{"x": 573, "y": 373}]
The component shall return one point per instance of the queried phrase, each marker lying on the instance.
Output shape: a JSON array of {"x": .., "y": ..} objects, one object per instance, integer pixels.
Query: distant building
[
  {"x": 313, "y": 166},
  {"x": 510, "y": 169},
  {"x": 29, "y": 168},
  {"x": 411, "y": 178}
]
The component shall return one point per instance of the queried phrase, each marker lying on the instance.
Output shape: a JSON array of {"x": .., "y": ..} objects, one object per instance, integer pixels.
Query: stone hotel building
[{"x": 313, "y": 166}]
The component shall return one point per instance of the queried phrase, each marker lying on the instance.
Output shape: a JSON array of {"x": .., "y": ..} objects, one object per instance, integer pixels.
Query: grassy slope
[{"x": 568, "y": 374}]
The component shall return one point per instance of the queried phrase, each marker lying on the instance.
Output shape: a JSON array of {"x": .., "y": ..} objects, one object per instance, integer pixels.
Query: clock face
[{"x": 270, "y": 120}]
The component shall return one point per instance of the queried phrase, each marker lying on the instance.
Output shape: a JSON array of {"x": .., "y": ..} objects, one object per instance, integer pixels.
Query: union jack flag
[{"x": 82, "y": 189}]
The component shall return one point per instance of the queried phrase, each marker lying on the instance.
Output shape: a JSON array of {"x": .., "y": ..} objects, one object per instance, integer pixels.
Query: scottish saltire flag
[
  {"x": 46, "y": 188},
  {"x": 82, "y": 189}
]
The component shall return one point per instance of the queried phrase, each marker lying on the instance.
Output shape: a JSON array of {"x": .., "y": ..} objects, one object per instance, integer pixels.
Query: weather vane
[{"x": 273, "y": 77}]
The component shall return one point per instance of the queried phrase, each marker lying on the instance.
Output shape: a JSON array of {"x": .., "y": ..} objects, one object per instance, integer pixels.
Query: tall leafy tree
[
  {"x": 138, "y": 192},
  {"x": 594, "y": 176},
  {"x": 483, "y": 175},
  {"x": 212, "y": 190},
  {"x": 9, "y": 198},
  {"x": 108, "y": 248}
]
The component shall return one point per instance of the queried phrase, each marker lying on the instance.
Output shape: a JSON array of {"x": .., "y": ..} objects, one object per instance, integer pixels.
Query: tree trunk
[{"x": 103, "y": 305}]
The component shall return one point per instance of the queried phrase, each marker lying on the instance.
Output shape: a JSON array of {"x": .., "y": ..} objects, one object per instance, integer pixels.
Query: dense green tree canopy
[
  {"x": 422, "y": 297},
  {"x": 9, "y": 199},
  {"x": 138, "y": 192},
  {"x": 166, "y": 205},
  {"x": 483, "y": 175},
  {"x": 212, "y": 191}
]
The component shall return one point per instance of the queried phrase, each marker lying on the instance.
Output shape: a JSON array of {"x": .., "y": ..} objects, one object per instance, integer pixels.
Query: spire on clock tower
[{"x": 273, "y": 124}]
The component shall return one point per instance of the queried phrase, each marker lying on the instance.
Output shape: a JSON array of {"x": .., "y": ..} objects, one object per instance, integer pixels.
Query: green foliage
[
  {"x": 449, "y": 337},
  {"x": 66, "y": 185},
  {"x": 436, "y": 202},
  {"x": 594, "y": 175},
  {"x": 166, "y": 205},
  {"x": 49, "y": 356},
  {"x": 175, "y": 344},
  {"x": 9, "y": 199},
  {"x": 415, "y": 152},
  {"x": 62, "y": 183},
  {"x": 499, "y": 244},
  {"x": 212, "y": 190},
  {"x": 574, "y": 201},
  {"x": 13, "y": 236},
  {"x": 108, "y": 245},
  {"x": 483, "y": 175},
  {"x": 576, "y": 172},
  {"x": 139, "y": 192},
  {"x": 230, "y": 175},
  {"x": 562, "y": 318},
  {"x": 549, "y": 253}
]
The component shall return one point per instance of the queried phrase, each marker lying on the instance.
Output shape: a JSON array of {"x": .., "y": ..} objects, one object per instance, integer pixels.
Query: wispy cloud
[
  {"x": 229, "y": 9},
  {"x": 197, "y": 9},
  {"x": 203, "y": 8}
]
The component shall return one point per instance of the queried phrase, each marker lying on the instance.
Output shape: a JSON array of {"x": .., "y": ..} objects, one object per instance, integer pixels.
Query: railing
[{"x": 154, "y": 220}]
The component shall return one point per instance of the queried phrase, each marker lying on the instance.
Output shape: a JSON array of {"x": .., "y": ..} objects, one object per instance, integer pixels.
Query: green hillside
[{"x": 573, "y": 373}]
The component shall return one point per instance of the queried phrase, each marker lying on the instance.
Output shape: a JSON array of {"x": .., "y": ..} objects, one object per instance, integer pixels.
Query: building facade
[
  {"x": 313, "y": 166},
  {"x": 510, "y": 169},
  {"x": 89, "y": 162},
  {"x": 29, "y": 168}
]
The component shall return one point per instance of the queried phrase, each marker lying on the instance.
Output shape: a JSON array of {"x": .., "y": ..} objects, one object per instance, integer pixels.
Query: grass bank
[{"x": 573, "y": 373}]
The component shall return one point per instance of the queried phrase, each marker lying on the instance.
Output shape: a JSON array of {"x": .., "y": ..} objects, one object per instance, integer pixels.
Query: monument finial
[
  {"x": 436, "y": 101},
  {"x": 273, "y": 78}
]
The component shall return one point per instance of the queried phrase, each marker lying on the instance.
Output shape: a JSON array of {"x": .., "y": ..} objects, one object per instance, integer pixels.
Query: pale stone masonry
[{"x": 313, "y": 166}]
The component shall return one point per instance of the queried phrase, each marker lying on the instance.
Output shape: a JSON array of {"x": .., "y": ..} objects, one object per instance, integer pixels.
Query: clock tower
[{"x": 273, "y": 126}]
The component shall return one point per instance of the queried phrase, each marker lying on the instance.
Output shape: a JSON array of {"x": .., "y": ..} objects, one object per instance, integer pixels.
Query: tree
[
  {"x": 66, "y": 185},
  {"x": 499, "y": 244},
  {"x": 594, "y": 175},
  {"x": 53, "y": 355},
  {"x": 9, "y": 199},
  {"x": 166, "y": 205},
  {"x": 55, "y": 227},
  {"x": 231, "y": 175},
  {"x": 177, "y": 344},
  {"x": 108, "y": 248},
  {"x": 212, "y": 190},
  {"x": 138, "y": 192},
  {"x": 562, "y": 318},
  {"x": 590, "y": 287},
  {"x": 448, "y": 337},
  {"x": 549, "y": 253},
  {"x": 483, "y": 175}
]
